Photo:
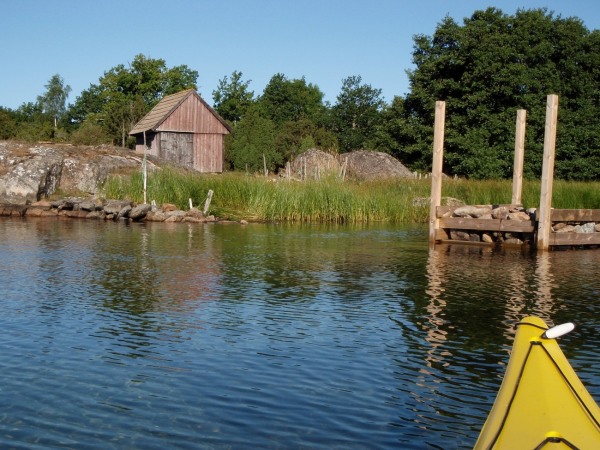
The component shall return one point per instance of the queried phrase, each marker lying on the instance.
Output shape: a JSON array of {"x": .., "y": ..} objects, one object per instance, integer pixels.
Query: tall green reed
[{"x": 243, "y": 196}]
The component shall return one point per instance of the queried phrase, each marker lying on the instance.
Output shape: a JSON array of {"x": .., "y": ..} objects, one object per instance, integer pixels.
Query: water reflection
[
  {"x": 503, "y": 284},
  {"x": 436, "y": 335},
  {"x": 266, "y": 336},
  {"x": 474, "y": 297}
]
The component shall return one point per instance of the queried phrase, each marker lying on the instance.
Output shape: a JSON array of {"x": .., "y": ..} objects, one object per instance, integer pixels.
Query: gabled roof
[{"x": 164, "y": 108}]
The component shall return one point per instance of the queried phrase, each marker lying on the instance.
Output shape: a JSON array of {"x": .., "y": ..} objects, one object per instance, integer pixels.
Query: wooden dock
[{"x": 545, "y": 229}]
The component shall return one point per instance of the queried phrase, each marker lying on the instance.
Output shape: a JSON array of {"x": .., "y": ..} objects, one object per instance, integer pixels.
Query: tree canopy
[
  {"x": 54, "y": 101},
  {"x": 357, "y": 113},
  {"x": 493, "y": 65},
  {"x": 485, "y": 68},
  {"x": 232, "y": 98},
  {"x": 124, "y": 94}
]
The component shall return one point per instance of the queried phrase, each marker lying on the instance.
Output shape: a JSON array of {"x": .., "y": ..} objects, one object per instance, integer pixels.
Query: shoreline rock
[
  {"x": 29, "y": 173},
  {"x": 100, "y": 209}
]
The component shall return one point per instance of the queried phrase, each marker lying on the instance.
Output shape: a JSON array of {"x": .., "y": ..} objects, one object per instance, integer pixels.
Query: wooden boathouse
[
  {"x": 183, "y": 129},
  {"x": 543, "y": 227}
]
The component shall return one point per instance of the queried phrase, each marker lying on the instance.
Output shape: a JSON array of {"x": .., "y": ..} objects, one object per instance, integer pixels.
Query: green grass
[{"x": 241, "y": 196}]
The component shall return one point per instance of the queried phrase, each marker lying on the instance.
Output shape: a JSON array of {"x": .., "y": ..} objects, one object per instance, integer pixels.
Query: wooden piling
[
  {"x": 517, "y": 187},
  {"x": 544, "y": 217},
  {"x": 436, "y": 169},
  {"x": 209, "y": 197}
]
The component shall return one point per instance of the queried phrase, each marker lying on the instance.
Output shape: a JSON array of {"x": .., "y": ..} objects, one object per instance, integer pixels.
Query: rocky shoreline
[
  {"x": 115, "y": 210},
  {"x": 29, "y": 173}
]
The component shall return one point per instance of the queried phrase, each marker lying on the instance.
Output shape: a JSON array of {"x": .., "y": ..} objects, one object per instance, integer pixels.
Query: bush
[
  {"x": 35, "y": 131},
  {"x": 90, "y": 134}
]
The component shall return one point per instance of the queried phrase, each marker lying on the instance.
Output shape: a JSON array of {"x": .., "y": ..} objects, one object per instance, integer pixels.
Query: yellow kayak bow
[{"x": 541, "y": 403}]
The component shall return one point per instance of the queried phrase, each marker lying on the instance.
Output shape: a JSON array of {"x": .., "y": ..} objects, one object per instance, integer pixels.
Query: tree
[
  {"x": 88, "y": 105},
  {"x": 177, "y": 79},
  {"x": 149, "y": 78},
  {"x": 356, "y": 114},
  {"x": 293, "y": 138},
  {"x": 398, "y": 134},
  {"x": 286, "y": 100},
  {"x": 53, "y": 101},
  {"x": 124, "y": 94},
  {"x": 493, "y": 65},
  {"x": 232, "y": 98},
  {"x": 121, "y": 113},
  {"x": 253, "y": 140},
  {"x": 32, "y": 123}
]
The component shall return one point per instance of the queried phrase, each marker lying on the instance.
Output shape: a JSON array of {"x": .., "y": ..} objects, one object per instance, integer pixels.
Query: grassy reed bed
[
  {"x": 241, "y": 196},
  {"x": 565, "y": 194}
]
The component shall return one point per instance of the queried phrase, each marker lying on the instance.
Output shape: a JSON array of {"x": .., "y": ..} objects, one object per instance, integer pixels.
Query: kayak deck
[{"x": 541, "y": 402}]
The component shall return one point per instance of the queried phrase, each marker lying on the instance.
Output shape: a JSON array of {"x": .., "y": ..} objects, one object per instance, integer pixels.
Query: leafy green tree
[
  {"x": 286, "y": 100},
  {"x": 254, "y": 138},
  {"x": 493, "y": 65},
  {"x": 32, "y": 123},
  {"x": 177, "y": 79},
  {"x": 285, "y": 120},
  {"x": 356, "y": 114},
  {"x": 295, "y": 137},
  {"x": 124, "y": 94},
  {"x": 89, "y": 103},
  {"x": 54, "y": 100},
  {"x": 121, "y": 113},
  {"x": 398, "y": 134},
  {"x": 232, "y": 98},
  {"x": 149, "y": 78}
]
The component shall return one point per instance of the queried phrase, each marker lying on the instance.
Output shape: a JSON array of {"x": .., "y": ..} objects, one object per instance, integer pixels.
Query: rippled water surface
[{"x": 267, "y": 336}]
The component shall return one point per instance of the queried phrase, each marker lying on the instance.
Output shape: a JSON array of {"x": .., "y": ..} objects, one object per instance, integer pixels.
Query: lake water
[{"x": 267, "y": 336}]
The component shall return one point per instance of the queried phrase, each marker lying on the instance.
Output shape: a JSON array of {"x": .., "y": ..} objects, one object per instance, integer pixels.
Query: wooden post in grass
[
  {"x": 265, "y": 165},
  {"x": 436, "y": 169},
  {"x": 544, "y": 217},
  {"x": 207, "y": 202},
  {"x": 517, "y": 187},
  {"x": 145, "y": 170}
]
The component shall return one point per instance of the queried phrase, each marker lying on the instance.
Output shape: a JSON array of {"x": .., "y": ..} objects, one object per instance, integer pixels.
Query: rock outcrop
[
  {"x": 361, "y": 165},
  {"x": 29, "y": 173},
  {"x": 370, "y": 165},
  {"x": 313, "y": 164}
]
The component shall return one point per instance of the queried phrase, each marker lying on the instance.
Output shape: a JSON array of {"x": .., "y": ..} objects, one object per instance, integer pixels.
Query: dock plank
[
  {"x": 513, "y": 226},
  {"x": 574, "y": 239},
  {"x": 575, "y": 215}
]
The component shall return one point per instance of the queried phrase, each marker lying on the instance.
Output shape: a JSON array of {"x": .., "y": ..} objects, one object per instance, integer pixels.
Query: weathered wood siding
[
  {"x": 177, "y": 148},
  {"x": 202, "y": 152},
  {"x": 193, "y": 116},
  {"x": 152, "y": 143},
  {"x": 208, "y": 152},
  {"x": 184, "y": 129}
]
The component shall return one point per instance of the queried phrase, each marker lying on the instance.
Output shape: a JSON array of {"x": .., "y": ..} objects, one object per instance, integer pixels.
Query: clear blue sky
[{"x": 323, "y": 40}]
